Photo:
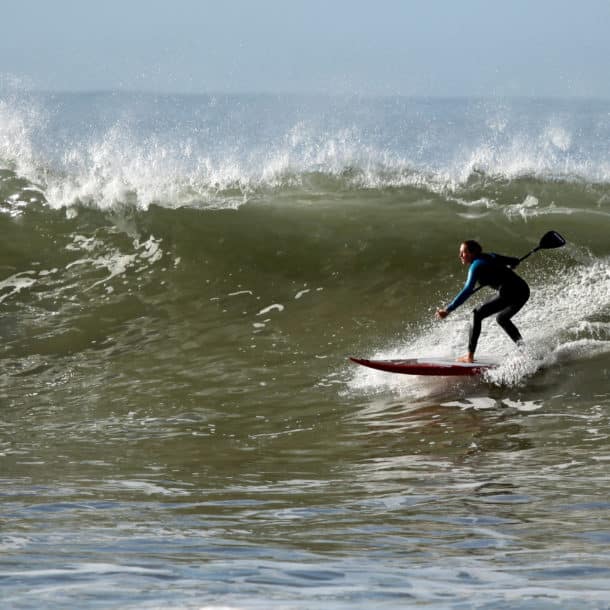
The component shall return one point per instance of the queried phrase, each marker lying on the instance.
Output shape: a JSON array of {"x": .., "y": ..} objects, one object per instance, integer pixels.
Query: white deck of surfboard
[{"x": 451, "y": 363}]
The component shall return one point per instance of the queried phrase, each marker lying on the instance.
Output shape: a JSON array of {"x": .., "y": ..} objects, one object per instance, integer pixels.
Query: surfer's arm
[{"x": 467, "y": 290}]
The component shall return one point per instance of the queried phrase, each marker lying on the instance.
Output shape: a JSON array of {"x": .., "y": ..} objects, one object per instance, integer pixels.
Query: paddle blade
[{"x": 550, "y": 240}]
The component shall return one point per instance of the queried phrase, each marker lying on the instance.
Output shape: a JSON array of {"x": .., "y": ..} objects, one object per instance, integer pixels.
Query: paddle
[{"x": 548, "y": 241}]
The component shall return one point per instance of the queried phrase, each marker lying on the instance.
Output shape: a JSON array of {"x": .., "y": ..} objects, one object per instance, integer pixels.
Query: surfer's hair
[{"x": 474, "y": 247}]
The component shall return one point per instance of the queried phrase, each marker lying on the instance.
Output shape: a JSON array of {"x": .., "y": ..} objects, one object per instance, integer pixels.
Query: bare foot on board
[{"x": 469, "y": 358}]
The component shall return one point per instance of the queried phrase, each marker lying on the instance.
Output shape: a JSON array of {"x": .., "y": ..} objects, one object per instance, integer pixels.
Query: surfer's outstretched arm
[{"x": 467, "y": 290}]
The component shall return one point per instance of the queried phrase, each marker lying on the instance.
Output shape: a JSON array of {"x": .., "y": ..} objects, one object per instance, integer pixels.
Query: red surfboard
[{"x": 426, "y": 366}]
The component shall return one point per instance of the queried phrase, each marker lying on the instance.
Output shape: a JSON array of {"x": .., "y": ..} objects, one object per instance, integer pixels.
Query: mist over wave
[{"x": 108, "y": 149}]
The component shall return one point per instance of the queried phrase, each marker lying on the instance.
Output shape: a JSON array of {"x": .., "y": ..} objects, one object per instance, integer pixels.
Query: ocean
[{"x": 182, "y": 281}]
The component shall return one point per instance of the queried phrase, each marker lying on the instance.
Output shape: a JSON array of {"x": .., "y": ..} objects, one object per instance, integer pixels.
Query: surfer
[{"x": 493, "y": 270}]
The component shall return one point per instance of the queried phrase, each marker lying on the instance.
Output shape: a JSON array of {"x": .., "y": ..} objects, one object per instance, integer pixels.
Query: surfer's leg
[
  {"x": 519, "y": 299},
  {"x": 504, "y": 317},
  {"x": 509, "y": 328},
  {"x": 478, "y": 315}
]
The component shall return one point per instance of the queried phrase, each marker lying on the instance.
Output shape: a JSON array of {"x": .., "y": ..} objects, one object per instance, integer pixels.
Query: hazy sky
[{"x": 424, "y": 47}]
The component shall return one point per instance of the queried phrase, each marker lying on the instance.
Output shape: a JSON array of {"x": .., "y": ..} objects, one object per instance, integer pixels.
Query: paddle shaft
[{"x": 529, "y": 253}]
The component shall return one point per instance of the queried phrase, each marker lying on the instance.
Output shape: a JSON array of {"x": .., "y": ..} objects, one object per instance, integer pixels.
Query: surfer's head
[{"x": 469, "y": 250}]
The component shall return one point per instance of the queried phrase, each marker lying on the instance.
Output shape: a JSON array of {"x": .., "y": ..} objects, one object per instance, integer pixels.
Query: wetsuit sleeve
[
  {"x": 468, "y": 288},
  {"x": 506, "y": 261}
]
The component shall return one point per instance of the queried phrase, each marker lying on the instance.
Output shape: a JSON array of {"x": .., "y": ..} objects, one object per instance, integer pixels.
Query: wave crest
[{"x": 115, "y": 149}]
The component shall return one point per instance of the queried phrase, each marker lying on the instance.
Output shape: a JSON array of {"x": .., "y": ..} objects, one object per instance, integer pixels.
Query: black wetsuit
[{"x": 513, "y": 292}]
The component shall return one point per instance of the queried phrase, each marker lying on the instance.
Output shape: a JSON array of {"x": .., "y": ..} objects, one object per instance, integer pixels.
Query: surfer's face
[{"x": 465, "y": 255}]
